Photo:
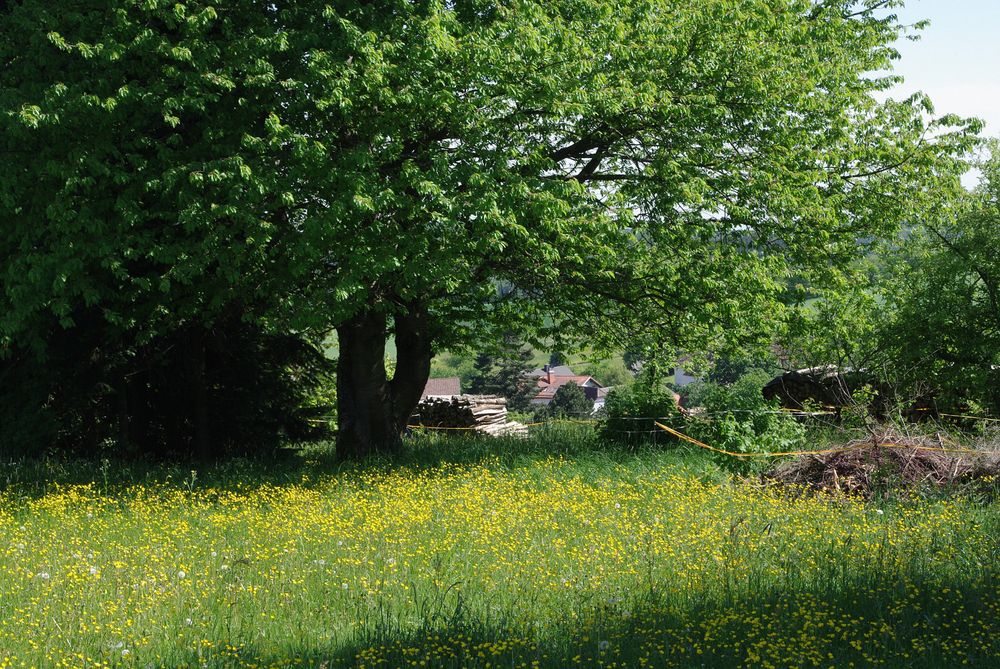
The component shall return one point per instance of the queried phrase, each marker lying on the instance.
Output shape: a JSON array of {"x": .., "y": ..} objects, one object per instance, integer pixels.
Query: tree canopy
[
  {"x": 445, "y": 171},
  {"x": 942, "y": 303}
]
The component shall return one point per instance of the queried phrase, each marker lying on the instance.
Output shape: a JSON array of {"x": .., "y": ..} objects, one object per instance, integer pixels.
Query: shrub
[
  {"x": 569, "y": 401},
  {"x": 96, "y": 395},
  {"x": 737, "y": 418},
  {"x": 630, "y": 412},
  {"x": 609, "y": 372}
]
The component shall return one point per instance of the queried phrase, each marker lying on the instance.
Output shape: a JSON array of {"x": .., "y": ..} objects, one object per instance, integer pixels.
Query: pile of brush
[{"x": 889, "y": 460}]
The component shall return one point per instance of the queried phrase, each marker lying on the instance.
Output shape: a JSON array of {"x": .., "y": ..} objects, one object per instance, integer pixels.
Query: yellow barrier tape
[
  {"x": 804, "y": 412},
  {"x": 546, "y": 422},
  {"x": 681, "y": 435},
  {"x": 825, "y": 451},
  {"x": 958, "y": 415},
  {"x": 559, "y": 420},
  {"x": 955, "y": 415},
  {"x": 779, "y": 454},
  {"x": 937, "y": 449}
]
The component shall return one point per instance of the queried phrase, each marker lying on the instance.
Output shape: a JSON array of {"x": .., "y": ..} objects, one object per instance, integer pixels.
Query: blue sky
[{"x": 957, "y": 59}]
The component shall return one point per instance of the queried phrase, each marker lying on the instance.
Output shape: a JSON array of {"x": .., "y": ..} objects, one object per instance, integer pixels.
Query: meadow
[{"x": 557, "y": 551}]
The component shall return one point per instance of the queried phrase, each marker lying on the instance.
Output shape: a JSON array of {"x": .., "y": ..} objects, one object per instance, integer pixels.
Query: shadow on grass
[
  {"x": 908, "y": 623},
  {"x": 312, "y": 465}
]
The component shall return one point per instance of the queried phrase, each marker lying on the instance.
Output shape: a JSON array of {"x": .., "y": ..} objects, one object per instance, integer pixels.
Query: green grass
[{"x": 555, "y": 551}]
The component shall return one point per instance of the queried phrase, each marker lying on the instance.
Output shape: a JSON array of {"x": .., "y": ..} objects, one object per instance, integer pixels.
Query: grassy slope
[{"x": 557, "y": 551}]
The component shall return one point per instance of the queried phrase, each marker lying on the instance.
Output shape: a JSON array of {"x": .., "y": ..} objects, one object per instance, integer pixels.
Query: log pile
[
  {"x": 834, "y": 388},
  {"x": 485, "y": 414},
  {"x": 826, "y": 386}
]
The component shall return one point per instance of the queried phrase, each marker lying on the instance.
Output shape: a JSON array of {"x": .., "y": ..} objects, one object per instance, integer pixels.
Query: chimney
[{"x": 548, "y": 374}]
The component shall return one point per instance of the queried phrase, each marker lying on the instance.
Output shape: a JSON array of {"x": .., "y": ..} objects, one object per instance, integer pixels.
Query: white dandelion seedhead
[{"x": 181, "y": 575}]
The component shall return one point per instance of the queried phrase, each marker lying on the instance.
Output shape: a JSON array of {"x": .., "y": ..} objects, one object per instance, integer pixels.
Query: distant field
[
  {"x": 447, "y": 363},
  {"x": 554, "y": 552}
]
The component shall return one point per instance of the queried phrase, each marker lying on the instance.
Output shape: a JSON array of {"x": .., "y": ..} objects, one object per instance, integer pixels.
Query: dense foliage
[
  {"x": 442, "y": 172},
  {"x": 943, "y": 334},
  {"x": 630, "y": 412},
  {"x": 260, "y": 391},
  {"x": 735, "y": 417},
  {"x": 919, "y": 319},
  {"x": 570, "y": 401},
  {"x": 725, "y": 370},
  {"x": 504, "y": 372}
]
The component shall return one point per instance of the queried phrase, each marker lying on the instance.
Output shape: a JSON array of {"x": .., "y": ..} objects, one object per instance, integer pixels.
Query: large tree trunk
[{"x": 372, "y": 410}]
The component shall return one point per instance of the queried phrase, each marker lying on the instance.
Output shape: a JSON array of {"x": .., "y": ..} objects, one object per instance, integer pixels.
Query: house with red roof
[{"x": 549, "y": 379}]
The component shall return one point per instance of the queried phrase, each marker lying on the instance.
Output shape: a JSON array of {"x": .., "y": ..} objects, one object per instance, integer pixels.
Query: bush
[
  {"x": 97, "y": 396},
  {"x": 570, "y": 401},
  {"x": 630, "y": 412},
  {"x": 609, "y": 372},
  {"x": 737, "y": 418}
]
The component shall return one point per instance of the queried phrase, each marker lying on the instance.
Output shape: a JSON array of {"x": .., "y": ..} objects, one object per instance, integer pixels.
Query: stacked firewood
[
  {"x": 826, "y": 386},
  {"x": 486, "y": 414}
]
